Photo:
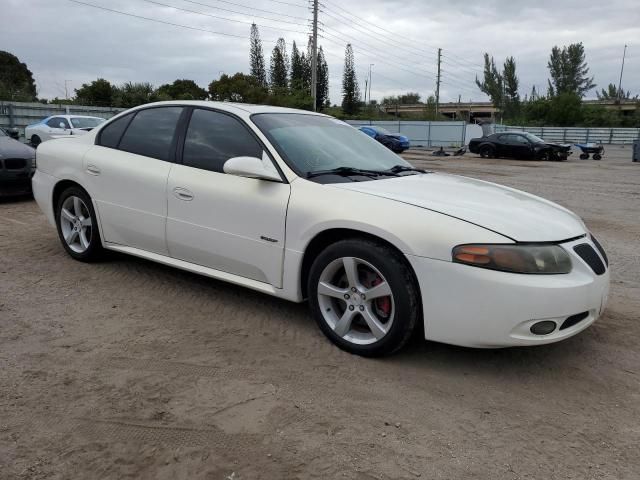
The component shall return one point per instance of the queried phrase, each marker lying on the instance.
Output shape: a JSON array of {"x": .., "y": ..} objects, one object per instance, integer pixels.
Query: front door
[{"x": 225, "y": 222}]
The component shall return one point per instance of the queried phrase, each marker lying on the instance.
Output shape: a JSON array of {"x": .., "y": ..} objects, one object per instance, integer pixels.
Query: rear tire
[
  {"x": 584, "y": 156},
  {"x": 78, "y": 226},
  {"x": 364, "y": 297},
  {"x": 487, "y": 151}
]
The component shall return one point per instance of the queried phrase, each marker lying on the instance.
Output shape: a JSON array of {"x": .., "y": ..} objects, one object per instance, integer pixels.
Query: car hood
[
  {"x": 10, "y": 148},
  {"x": 518, "y": 215}
]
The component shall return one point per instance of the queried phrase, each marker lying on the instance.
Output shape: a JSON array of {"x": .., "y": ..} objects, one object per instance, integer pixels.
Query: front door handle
[
  {"x": 93, "y": 170},
  {"x": 182, "y": 194}
]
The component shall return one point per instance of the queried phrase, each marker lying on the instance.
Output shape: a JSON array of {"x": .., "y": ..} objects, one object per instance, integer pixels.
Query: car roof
[{"x": 246, "y": 108}]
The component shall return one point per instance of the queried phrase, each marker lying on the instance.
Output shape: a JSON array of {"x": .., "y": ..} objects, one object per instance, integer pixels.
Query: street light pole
[{"x": 624, "y": 54}]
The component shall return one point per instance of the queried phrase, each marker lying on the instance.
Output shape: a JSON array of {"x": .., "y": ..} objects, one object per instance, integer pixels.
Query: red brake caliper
[{"x": 383, "y": 304}]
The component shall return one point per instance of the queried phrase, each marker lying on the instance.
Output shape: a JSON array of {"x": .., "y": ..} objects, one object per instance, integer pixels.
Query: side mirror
[
  {"x": 252, "y": 167},
  {"x": 62, "y": 125}
]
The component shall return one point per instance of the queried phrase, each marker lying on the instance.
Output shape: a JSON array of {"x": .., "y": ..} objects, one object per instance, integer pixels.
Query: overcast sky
[{"x": 62, "y": 41}]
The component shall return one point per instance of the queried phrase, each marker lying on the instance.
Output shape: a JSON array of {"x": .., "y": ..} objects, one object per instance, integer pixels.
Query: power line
[
  {"x": 382, "y": 38},
  {"x": 401, "y": 66},
  {"x": 227, "y": 19},
  {"x": 141, "y": 17},
  {"x": 249, "y": 8},
  {"x": 394, "y": 35}
]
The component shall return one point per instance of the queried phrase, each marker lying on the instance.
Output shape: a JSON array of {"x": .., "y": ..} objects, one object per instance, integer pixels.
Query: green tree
[
  {"x": 256, "y": 57},
  {"x": 298, "y": 70},
  {"x": 100, "y": 93},
  {"x": 612, "y": 93},
  {"x": 492, "y": 83},
  {"x": 279, "y": 69},
  {"x": 238, "y": 88},
  {"x": 16, "y": 80},
  {"x": 322, "y": 86},
  {"x": 409, "y": 98},
  {"x": 511, "y": 83},
  {"x": 350, "y": 89},
  {"x": 132, "y": 94},
  {"x": 569, "y": 71},
  {"x": 182, "y": 90}
]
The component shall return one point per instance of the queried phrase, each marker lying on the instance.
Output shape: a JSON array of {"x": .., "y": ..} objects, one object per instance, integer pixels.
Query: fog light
[{"x": 543, "y": 328}]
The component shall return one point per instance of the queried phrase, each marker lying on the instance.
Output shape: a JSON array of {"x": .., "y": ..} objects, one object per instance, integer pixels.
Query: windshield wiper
[
  {"x": 405, "y": 168},
  {"x": 347, "y": 171}
]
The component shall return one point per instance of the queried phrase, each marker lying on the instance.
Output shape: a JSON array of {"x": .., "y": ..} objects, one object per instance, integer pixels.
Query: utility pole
[
  {"x": 314, "y": 59},
  {"x": 366, "y": 80},
  {"x": 66, "y": 90},
  {"x": 370, "y": 79},
  {"x": 438, "y": 83},
  {"x": 621, "y": 70}
]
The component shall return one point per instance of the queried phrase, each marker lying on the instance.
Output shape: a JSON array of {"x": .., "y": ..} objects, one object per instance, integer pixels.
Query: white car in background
[
  {"x": 303, "y": 206},
  {"x": 60, "y": 126}
]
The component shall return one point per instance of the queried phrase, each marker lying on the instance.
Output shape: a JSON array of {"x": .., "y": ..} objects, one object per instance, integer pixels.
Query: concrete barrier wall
[{"x": 20, "y": 114}]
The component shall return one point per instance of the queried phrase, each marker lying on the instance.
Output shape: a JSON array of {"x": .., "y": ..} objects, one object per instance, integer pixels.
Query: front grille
[
  {"x": 600, "y": 249},
  {"x": 574, "y": 320},
  {"x": 15, "y": 163},
  {"x": 589, "y": 255}
]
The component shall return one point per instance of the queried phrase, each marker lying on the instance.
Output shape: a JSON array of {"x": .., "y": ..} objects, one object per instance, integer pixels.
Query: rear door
[
  {"x": 225, "y": 222},
  {"x": 126, "y": 174}
]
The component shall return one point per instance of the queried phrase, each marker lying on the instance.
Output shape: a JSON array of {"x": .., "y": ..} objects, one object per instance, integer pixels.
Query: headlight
[{"x": 541, "y": 259}]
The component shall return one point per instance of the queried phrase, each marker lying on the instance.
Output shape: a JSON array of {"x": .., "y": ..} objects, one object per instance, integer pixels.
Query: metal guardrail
[
  {"x": 578, "y": 135},
  {"x": 20, "y": 114}
]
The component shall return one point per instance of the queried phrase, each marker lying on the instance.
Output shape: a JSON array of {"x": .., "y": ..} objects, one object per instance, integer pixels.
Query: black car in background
[
  {"x": 17, "y": 166},
  {"x": 518, "y": 145}
]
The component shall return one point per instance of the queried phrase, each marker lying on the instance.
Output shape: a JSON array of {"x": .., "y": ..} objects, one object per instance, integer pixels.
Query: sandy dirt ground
[{"x": 129, "y": 369}]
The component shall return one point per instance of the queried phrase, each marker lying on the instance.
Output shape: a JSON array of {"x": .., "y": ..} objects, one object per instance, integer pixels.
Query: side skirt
[{"x": 199, "y": 269}]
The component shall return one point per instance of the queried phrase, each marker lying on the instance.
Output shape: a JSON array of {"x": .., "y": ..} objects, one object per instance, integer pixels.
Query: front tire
[
  {"x": 78, "y": 226},
  {"x": 35, "y": 141},
  {"x": 363, "y": 297}
]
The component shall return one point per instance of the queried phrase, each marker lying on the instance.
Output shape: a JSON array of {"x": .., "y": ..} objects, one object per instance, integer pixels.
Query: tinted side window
[
  {"x": 213, "y": 138},
  {"x": 151, "y": 131},
  {"x": 56, "y": 121},
  {"x": 111, "y": 134}
]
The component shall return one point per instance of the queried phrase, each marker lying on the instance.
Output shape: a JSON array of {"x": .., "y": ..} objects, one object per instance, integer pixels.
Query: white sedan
[
  {"x": 303, "y": 206},
  {"x": 60, "y": 126}
]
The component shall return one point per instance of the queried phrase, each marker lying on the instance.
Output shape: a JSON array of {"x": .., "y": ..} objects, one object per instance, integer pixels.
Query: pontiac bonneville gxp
[{"x": 303, "y": 206}]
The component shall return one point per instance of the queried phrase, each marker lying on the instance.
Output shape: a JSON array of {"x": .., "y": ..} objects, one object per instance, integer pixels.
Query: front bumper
[
  {"x": 15, "y": 182},
  {"x": 474, "y": 307}
]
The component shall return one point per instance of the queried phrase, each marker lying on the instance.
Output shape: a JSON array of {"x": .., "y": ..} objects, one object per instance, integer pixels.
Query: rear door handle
[
  {"x": 182, "y": 194},
  {"x": 93, "y": 170}
]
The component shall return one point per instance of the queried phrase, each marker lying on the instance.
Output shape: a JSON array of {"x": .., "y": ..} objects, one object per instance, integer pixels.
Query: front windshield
[
  {"x": 86, "y": 122},
  {"x": 312, "y": 143},
  {"x": 533, "y": 138},
  {"x": 381, "y": 130}
]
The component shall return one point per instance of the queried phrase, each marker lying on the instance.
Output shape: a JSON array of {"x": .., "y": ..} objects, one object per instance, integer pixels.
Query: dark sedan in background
[
  {"x": 518, "y": 145},
  {"x": 393, "y": 141},
  {"x": 17, "y": 165}
]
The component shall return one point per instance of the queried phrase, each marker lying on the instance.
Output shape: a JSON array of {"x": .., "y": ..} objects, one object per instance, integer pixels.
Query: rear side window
[
  {"x": 213, "y": 138},
  {"x": 111, "y": 134},
  {"x": 151, "y": 132}
]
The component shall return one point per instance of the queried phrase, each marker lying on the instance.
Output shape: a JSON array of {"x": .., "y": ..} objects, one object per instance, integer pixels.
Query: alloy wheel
[
  {"x": 76, "y": 224},
  {"x": 356, "y": 300}
]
